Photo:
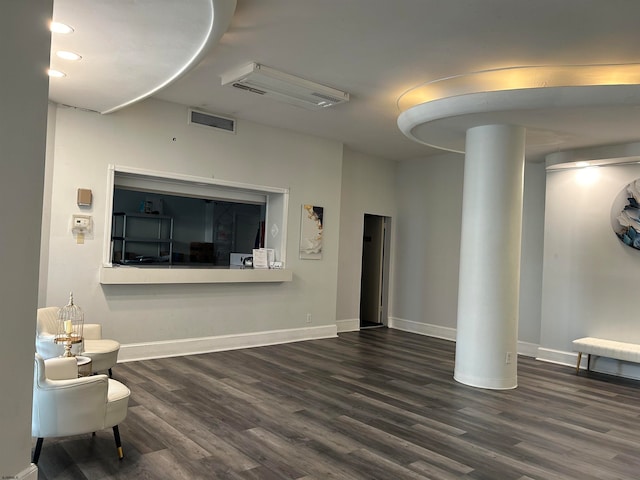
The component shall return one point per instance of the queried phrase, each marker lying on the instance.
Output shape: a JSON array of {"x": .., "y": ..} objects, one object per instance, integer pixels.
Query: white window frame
[{"x": 277, "y": 206}]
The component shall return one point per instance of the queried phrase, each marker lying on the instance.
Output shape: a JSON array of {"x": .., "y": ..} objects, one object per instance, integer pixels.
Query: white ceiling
[{"x": 373, "y": 49}]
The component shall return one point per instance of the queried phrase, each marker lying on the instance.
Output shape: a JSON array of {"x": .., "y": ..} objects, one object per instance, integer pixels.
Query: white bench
[{"x": 629, "y": 352}]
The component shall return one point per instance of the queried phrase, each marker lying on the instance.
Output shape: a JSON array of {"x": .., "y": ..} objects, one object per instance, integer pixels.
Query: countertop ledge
[{"x": 123, "y": 275}]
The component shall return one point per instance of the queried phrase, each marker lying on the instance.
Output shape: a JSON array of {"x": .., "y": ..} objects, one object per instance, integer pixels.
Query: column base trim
[{"x": 487, "y": 383}]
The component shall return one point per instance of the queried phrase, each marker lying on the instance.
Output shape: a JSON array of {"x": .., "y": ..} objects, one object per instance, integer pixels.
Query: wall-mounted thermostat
[{"x": 81, "y": 223}]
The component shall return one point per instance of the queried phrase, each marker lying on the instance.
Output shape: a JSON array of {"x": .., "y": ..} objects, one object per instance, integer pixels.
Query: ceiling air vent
[
  {"x": 197, "y": 117},
  {"x": 266, "y": 81}
]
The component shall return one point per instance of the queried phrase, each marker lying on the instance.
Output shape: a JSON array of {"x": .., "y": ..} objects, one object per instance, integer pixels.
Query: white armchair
[
  {"x": 65, "y": 405},
  {"x": 103, "y": 352}
]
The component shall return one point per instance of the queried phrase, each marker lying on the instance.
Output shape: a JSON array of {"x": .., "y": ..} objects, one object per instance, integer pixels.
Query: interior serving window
[{"x": 163, "y": 220}]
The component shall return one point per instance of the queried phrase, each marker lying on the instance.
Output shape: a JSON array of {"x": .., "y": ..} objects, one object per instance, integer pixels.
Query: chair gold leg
[
  {"x": 578, "y": 365},
  {"x": 116, "y": 435}
]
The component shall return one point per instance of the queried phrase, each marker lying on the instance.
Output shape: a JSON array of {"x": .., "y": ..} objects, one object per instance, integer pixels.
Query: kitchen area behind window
[{"x": 156, "y": 229}]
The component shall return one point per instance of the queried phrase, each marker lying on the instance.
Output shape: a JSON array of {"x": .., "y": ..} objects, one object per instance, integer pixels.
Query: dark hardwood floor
[{"x": 375, "y": 404}]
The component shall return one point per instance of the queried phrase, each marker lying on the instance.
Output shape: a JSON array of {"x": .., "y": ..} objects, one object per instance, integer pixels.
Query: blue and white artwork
[{"x": 625, "y": 215}]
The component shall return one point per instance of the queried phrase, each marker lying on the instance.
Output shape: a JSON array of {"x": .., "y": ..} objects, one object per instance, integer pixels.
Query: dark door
[{"x": 371, "y": 282}]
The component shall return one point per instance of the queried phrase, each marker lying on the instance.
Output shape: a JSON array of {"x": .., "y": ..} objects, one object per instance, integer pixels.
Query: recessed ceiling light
[
  {"x": 68, "y": 55},
  {"x": 57, "y": 27},
  {"x": 56, "y": 73}
]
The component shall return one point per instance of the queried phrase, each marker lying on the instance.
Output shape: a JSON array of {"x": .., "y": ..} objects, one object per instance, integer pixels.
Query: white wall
[
  {"x": 427, "y": 250},
  {"x": 368, "y": 186},
  {"x": 531, "y": 258},
  {"x": 22, "y": 139},
  {"x": 155, "y": 135},
  {"x": 590, "y": 283},
  {"x": 46, "y": 207},
  {"x": 424, "y": 198}
]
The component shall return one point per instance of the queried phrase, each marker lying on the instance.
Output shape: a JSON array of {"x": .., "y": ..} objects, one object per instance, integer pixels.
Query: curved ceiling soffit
[
  {"x": 132, "y": 51},
  {"x": 429, "y": 111},
  {"x": 221, "y": 15}
]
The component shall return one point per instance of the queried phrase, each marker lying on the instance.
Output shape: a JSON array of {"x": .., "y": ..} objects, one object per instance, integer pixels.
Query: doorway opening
[{"x": 374, "y": 282}]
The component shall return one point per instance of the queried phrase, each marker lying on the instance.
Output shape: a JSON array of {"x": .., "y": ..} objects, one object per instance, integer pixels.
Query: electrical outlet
[
  {"x": 507, "y": 358},
  {"x": 308, "y": 318}
]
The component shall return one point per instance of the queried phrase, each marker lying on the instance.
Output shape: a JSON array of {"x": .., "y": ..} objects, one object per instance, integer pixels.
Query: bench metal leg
[
  {"x": 578, "y": 365},
  {"x": 589, "y": 363}
]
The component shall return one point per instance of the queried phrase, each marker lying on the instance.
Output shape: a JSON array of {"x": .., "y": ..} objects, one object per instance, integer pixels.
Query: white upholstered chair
[
  {"x": 65, "y": 404},
  {"x": 103, "y": 352}
]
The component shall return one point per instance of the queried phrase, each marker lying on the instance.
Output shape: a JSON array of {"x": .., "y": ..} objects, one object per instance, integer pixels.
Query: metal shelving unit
[{"x": 141, "y": 238}]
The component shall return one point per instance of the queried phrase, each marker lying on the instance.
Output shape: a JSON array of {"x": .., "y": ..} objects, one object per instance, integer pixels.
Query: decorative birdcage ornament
[{"x": 70, "y": 325}]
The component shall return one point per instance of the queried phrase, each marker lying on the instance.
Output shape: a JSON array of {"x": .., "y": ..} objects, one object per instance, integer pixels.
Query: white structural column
[{"x": 487, "y": 329}]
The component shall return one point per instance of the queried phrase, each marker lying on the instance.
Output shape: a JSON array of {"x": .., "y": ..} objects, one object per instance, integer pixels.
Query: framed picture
[{"x": 311, "y": 232}]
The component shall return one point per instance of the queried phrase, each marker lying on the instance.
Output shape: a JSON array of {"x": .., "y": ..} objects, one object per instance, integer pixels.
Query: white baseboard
[
  {"x": 350, "y": 325},
  {"x": 604, "y": 365},
  {"x": 29, "y": 473},
  {"x": 422, "y": 328},
  {"x": 528, "y": 349},
  {"x": 524, "y": 348},
  {"x": 192, "y": 346},
  {"x": 558, "y": 356}
]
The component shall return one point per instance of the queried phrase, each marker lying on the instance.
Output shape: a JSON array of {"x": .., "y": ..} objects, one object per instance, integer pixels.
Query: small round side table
[{"x": 84, "y": 365}]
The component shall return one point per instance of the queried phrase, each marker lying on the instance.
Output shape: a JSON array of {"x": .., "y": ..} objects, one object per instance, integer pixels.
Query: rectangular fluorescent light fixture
[{"x": 261, "y": 80}]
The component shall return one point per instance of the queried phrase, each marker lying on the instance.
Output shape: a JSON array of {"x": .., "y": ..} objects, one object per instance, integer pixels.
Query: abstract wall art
[
  {"x": 311, "y": 232},
  {"x": 625, "y": 215}
]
